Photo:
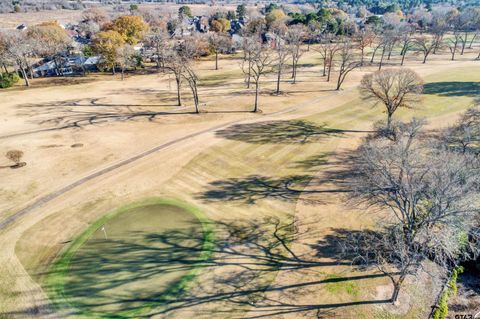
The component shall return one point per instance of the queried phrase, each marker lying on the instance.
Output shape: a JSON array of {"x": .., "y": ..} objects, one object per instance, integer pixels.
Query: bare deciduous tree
[
  {"x": 295, "y": 36},
  {"x": 465, "y": 134},
  {"x": 17, "y": 49},
  {"x": 178, "y": 60},
  {"x": 250, "y": 44},
  {"x": 453, "y": 42},
  {"x": 406, "y": 41},
  {"x": 219, "y": 43},
  {"x": 332, "y": 51},
  {"x": 365, "y": 39},
  {"x": 192, "y": 80},
  {"x": 256, "y": 66},
  {"x": 282, "y": 54},
  {"x": 326, "y": 42},
  {"x": 387, "y": 42},
  {"x": 394, "y": 88},
  {"x": 348, "y": 62},
  {"x": 426, "y": 44},
  {"x": 125, "y": 58},
  {"x": 158, "y": 42},
  {"x": 431, "y": 196}
]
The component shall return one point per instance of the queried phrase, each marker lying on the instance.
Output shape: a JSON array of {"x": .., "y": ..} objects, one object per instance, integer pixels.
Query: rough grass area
[{"x": 58, "y": 278}]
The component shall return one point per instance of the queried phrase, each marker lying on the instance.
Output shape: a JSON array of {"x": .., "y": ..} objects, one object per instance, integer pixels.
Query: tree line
[{"x": 272, "y": 42}]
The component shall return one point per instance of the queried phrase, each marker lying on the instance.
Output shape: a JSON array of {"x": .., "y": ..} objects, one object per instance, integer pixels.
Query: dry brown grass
[{"x": 188, "y": 170}]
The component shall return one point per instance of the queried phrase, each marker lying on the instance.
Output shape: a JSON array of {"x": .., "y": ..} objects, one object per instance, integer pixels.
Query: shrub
[
  {"x": 14, "y": 155},
  {"x": 442, "y": 311},
  {"x": 451, "y": 290},
  {"x": 453, "y": 281},
  {"x": 8, "y": 79}
]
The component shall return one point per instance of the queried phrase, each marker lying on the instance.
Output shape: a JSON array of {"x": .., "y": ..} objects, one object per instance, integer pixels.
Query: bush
[
  {"x": 442, "y": 311},
  {"x": 453, "y": 281},
  {"x": 450, "y": 291},
  {"x": 8, "y": 79}
]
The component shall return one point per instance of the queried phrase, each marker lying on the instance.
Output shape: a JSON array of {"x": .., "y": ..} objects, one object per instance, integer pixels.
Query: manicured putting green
[{"x": 132, "y": 261}]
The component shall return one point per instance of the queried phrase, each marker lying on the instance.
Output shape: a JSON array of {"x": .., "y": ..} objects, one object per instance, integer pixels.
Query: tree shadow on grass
[
  {"x": 283, "y": 132},
  {"x": 253, "y": 188},
  {"x": 340, "y": 245},
  {"x": 245, "y": 251},
  {"x": 312, "y": 162},
  {"x": 269, "y": 241},
  {"x": 79, "y": 113},
  {"x": 256, "y": 187},
  {"x": 454, "y": 88}
]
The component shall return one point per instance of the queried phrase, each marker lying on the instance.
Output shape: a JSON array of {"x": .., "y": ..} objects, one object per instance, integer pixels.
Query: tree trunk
[
  {"x": 389, "y": 121},
  {"x": 396, "y": 288},
  {"x": 373, "y": 54},
  {"x": 362, "y": 56},
  {"x": 57, "y": 67},
  {"x": 249, "y": 73},
  {"x": 324, "y": 66},
  {"x": 464, "y": 43},
  {"x": 29, "y": 67},
  {"x": 425, "y": 58},
  {"x": 293, "y": 67},
  {"x": 179, "y": 94},
  {"x": 195, "y": 99},
  {"x": 25, "y": 77},
  {"x": 123, "y": 73},
  {"x": 396, "y": 291},
  {"x": 403, "y": 57},
  {"x": 471, "y": 41},
  {"x": 294, "y": 75},
  {"x": 5, "y": 68},
  {"x": 339, "y": 81},
  {"x": 279, "y": 76},
  {"x": 257, "y": 88},
  {"x": 381, "y": 59},
  {"x": 216, "y": 60},
  {"x": 329, "y": 69}
]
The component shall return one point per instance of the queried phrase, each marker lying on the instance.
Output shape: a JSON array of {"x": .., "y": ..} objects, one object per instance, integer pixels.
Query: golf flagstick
[{"x": 104, "y": 231}]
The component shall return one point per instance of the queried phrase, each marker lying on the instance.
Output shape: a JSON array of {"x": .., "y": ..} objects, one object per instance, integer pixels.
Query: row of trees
[{"x": 269, "y": 44}]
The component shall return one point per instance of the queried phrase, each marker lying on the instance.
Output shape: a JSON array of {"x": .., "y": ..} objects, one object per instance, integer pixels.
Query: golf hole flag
[{"x": 104, "y": 231}]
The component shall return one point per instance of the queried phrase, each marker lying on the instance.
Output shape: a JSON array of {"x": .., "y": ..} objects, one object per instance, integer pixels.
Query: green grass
[
  {"x": 348, "y": 287},
  {"x": 56, "y": 280}
]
